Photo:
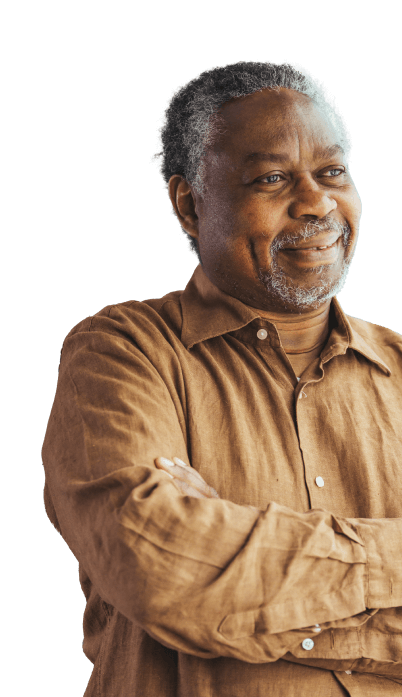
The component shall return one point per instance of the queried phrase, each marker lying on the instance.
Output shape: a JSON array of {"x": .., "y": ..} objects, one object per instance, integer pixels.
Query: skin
[
  {"x": 248, "y": 204},
  {"x": 243, "y": 221},
  {"x": 187, "y": 480}
]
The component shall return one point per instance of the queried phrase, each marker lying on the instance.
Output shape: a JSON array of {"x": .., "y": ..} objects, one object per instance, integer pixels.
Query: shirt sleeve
[{"x": 204, "y": 576}]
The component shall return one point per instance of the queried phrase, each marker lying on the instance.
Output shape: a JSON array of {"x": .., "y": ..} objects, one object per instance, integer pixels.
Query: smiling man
[
  {"x": 278, "y": 222},
  {"x": 251, "y": 224},
  {"x": 268, "y": 562}
]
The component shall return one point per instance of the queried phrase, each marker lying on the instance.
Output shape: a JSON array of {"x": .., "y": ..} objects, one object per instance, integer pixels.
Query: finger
[
  {"x": 187, "y": 490},
  {"x": 179, "y": 462},
  {"x": 169, "y": 467},
  {"x": 190, "y": 477},
  {"x": 185, "y": 473},
  {"x": 168, "y": 474},
  {"x": 164, "y": 464},
  {"x": 183, "y": 487},
  {"x": 194, "y": 479}
]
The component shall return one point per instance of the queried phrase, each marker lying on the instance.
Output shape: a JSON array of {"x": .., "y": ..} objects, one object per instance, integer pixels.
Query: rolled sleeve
[
  {"x": 383, "y": 543},
  {"x": 371, "y": 642}
]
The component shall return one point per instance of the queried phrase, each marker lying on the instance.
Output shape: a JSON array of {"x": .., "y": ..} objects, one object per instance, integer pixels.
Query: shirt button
[
  {"x": 262, "y": 334},
  {"x": 307, "y": 644},
  {"x": 319, "y": 481},
  {"x": 348, "y": 672}
]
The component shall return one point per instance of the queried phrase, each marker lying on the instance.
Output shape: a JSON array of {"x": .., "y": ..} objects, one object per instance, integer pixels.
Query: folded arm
[{"x": 200, "y": 574}]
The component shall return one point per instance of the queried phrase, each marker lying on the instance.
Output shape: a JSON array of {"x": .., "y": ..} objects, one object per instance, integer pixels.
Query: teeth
[{"x": 313, "y": 248}]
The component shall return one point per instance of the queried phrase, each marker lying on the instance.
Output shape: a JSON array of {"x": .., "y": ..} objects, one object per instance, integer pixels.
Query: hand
[{"x": 187, "y": 480}]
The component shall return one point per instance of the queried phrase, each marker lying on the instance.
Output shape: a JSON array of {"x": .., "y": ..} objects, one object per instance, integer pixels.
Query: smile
[{"x": 323, "y": 254}]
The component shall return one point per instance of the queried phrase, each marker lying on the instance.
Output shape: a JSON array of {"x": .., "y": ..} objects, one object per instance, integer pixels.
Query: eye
[
  {"x": 270, "y": 176},
  {"x": 334, "y": 169}
]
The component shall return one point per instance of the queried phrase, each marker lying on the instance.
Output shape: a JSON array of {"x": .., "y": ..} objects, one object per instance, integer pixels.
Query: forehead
[{"x": 269, "y": 119}]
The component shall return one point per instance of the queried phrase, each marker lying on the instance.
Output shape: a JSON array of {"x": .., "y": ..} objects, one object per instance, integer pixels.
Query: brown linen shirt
[{"x": 192, "y": 597}]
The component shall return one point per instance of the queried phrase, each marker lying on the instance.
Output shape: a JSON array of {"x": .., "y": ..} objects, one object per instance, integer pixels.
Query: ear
[{"x": 184, "y": 204}]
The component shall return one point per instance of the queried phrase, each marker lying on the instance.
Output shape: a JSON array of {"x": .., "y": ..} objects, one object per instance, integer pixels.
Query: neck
[
  {"x": 301, "y": 333},
  {"x": 288, "y": 317}
]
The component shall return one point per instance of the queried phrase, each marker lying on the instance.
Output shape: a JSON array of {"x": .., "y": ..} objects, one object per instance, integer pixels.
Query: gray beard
[{"x": 281, "y": 288}]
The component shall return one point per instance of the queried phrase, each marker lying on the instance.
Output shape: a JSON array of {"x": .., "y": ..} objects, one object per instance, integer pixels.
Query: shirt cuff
[{"x": 383, "y": 542}]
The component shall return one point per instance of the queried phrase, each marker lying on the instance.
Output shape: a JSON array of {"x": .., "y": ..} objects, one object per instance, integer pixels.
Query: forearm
[
  {"x": 383, "y": 543},
  {"x": 374, "y": 645}
]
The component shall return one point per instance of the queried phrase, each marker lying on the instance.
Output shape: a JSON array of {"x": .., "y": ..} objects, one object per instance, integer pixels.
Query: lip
[
  {"x": 318, "y": 241},
  {"x": 311, "y": 256}
]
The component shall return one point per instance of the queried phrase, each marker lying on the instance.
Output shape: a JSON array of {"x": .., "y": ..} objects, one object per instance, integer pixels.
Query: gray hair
[{"x": 192, "y": 121}]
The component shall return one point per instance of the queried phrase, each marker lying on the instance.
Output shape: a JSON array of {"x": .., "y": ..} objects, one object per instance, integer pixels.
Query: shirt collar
[{"x": 209, "y": 312}]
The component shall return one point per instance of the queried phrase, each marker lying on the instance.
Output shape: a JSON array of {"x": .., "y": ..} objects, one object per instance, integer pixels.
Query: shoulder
[
  {"x": 386, "y": 343},
  {"x": 375, "y": 333},
  {"x": 142, "y": 323}
]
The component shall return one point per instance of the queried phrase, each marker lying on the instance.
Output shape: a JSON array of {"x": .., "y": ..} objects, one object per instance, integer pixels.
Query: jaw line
[{"x": 282, "y": 288}]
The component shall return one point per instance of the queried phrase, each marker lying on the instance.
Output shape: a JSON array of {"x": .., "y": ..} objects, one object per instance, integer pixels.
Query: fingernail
[
  {"x": 165, "y": 461},
  {"x": 180, "y": 462}
]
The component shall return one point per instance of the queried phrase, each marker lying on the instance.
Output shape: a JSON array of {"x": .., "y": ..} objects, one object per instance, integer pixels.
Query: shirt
[
  {"x": 197, "y": 597},
  {"x": 302, "y": 336}
]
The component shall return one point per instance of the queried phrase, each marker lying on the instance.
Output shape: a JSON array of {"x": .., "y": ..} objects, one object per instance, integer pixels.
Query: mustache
[{"x": 312, "y": 229}]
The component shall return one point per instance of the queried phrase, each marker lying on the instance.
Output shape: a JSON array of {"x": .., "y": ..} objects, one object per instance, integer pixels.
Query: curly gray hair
[{"x": 192, "y": 120}]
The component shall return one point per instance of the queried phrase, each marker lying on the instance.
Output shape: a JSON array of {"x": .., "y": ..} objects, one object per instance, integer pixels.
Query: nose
[{"x": 312, "y": 203}]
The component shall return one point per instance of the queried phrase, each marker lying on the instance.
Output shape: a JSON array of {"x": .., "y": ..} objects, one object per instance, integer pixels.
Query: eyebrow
[{"x": 321, "y": 153}]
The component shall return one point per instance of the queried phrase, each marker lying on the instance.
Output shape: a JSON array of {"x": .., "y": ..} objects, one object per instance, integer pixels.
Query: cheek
[
  {"x": 216, "y": 220},
  {"x": 353, "y": 208},
  {"x": 237, "y": 234},
  {"x": 262, "y": 223}
]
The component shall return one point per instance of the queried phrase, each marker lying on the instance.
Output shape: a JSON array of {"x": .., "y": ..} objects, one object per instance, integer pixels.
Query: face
[{"x": 278, "y": 224}]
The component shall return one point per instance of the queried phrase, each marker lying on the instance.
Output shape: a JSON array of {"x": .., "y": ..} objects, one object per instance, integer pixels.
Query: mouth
[{"x": 324, "y": 251}]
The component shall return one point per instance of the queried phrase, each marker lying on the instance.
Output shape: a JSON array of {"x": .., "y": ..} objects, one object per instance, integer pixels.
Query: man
[{"x": 268, "y": 562}]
